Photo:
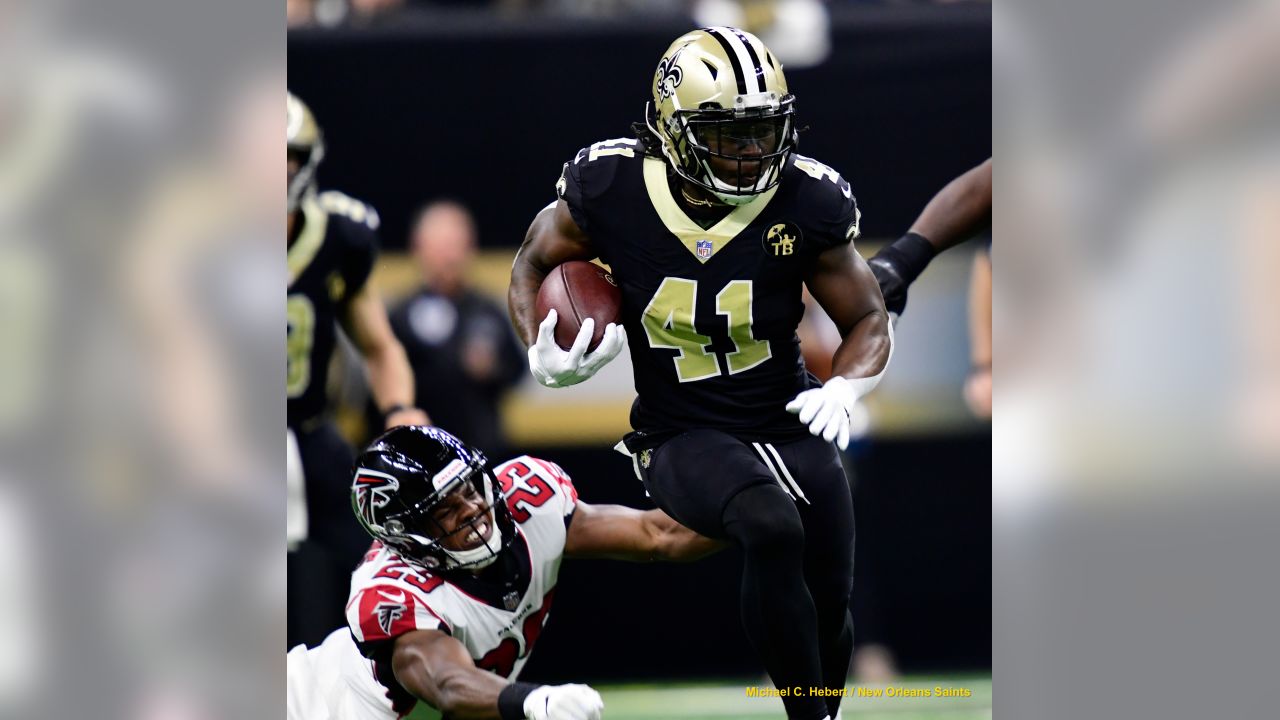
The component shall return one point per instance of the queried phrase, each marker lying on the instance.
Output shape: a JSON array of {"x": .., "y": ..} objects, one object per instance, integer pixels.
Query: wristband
[
  {"x": 511, "y": 700},
  {"x": 392, "y": 411},
  {"x": 909, "y": 255}
]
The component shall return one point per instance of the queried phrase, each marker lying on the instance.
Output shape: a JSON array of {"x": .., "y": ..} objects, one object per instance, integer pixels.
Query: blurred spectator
[
  {"x": 373, "y": 7},
  {"x": 977, "y": 389},
  {"x": 299, "y": 12},
  {"x": 460, "y": 344},
  {"x": 798, "y": 31}
]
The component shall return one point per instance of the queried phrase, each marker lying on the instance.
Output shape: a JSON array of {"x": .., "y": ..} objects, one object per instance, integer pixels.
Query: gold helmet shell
[
  {"x": 709, "y": 85},
  {"x": 303, "y": 138}
]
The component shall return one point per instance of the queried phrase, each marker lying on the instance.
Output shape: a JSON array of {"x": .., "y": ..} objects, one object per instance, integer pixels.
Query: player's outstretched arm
[
  {"x": 622, "y": 533},
  {"x": 553, "y": 238},
  {"x": 390, "y": 375},
  {"x": 437, "y": 668},
  {"x": 958, "y": 212},
  {"x": 845, "y": 288}
]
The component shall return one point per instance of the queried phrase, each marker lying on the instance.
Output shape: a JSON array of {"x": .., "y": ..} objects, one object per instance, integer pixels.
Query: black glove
[{"x": 898, "y": 265}]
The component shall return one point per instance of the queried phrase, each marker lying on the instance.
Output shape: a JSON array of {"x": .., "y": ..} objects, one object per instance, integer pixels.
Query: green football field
[{"x": 681, "y": 701}]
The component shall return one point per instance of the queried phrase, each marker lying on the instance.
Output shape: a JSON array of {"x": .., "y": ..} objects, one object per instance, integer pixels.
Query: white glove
[
  {"x": 832, "y": 411},
  {"x": 555, "y": 368},
  {"x": 827, "y": 410},
  {"x": 563, "y": 702}
]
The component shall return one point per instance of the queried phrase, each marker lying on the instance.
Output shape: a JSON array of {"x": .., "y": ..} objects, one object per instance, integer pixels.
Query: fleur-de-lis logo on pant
[{"x": 669, "y": 75}]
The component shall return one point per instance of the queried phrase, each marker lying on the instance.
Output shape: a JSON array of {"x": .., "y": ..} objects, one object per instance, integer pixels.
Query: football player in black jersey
[
  {"x": 331, "y": 247},
  {"x": 711, "y": 224}
]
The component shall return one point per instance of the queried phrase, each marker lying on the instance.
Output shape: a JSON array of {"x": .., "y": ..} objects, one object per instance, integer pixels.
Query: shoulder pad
[
  {"x": 337, "y": 203},
  {"x": 528, "y": 483},
  {"x": 622, "y": 147},
  {"x": 829, "y": 198}
]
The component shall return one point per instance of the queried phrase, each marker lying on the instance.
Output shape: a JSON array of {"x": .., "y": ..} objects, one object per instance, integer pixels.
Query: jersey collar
[
  {"x": 314, "y": 223},
  {"x": 686, "y": 230}
]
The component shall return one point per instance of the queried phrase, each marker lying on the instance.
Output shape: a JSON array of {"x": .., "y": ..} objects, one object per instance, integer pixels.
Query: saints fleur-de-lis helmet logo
[{"x": 669, "y": 75}]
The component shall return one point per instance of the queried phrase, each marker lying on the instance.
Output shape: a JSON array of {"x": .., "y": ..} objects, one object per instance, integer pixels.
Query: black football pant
[
  {"x": 319, "y": 570},
  {"x": 787, "y": 505}
]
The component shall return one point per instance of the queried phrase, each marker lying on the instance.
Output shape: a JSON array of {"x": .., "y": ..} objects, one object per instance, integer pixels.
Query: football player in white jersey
[{"x": 451, "y": 597}]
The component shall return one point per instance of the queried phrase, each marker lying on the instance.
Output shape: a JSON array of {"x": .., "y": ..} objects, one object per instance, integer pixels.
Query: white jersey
[{"x": 351, "y": 670}]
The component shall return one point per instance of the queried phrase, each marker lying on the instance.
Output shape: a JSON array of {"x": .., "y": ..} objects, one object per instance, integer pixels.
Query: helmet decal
[
  {"x": 451, "y": 472},
  {"x": 372, "y": 491},
  {"x": 669, "y": 75}
]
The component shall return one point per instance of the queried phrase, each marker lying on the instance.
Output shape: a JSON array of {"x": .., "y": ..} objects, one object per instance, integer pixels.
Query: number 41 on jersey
[{"x": 669, "y": 323}]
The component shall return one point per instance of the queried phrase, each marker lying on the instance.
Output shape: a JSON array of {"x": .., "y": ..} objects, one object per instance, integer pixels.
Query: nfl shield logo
[{"x": 704, "y": 249}]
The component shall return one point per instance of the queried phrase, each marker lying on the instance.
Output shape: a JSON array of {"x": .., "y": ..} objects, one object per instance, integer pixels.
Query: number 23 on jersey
[{"x": 669, "y": 323}]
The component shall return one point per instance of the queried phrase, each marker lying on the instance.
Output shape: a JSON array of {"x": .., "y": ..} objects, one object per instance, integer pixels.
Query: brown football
[{"x": 579, "y": 290}]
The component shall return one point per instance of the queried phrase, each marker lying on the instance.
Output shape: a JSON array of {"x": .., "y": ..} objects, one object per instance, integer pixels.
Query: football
[{"x": 579, "y": 290}]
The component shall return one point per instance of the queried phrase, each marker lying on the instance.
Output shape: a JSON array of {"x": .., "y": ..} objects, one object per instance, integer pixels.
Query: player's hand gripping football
[
  {"x": 563, "y": 702},
  {"x": 828, "y": 410},
  {"x": 555, "y": 368}
]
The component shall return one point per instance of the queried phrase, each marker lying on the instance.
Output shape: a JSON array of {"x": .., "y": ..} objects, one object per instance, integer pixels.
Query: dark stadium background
[{"x": 485, "y": 111}]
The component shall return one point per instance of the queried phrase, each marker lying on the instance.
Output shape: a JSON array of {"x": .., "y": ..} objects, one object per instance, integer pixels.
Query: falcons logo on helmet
[
  {"x": 373, "y": 491},
  {"x": 388, "y": 614}
]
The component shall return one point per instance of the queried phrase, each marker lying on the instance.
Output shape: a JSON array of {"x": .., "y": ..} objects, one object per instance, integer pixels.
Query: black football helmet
[{"x": 405, "y": 475}]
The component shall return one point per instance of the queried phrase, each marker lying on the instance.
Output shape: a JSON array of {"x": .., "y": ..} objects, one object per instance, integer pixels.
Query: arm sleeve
[
  {"x": 357, "y": 226},
  {"x": 362, "y": 250},
  {"x": 835, "y": 216},
  {"x": 570, "y": 189}
]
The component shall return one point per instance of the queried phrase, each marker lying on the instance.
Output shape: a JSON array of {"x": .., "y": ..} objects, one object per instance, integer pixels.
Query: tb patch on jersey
[{"x": 781, "y": 238}]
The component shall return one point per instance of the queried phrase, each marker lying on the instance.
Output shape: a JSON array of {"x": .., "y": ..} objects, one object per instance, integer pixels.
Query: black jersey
[
  {"x": 329, "y": 263},
  {"x": 710, "y": 314}
]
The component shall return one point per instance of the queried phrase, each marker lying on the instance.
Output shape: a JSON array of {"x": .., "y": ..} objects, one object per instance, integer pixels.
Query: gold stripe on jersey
[
  {"x": 314, "y": 222},
  {"x": 679, "y": 224}
]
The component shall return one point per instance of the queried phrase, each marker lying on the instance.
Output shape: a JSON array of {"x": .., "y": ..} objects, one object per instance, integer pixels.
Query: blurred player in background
[
  {"x": 959, "y": 211},
  {"x": 459, "y": 342},
  {"x": 332, "y": 245},
  {"x": 712, "y": 225},
  {"x": 457, "y": 586}
]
